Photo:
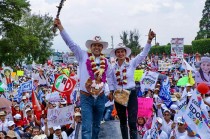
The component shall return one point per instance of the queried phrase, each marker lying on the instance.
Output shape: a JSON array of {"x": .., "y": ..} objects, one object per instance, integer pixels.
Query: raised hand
[
  {"x": 151, "y": 35},
  {"x": 58, "y": 24}
]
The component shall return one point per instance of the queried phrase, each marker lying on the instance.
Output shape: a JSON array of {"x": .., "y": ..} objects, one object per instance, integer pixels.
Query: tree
[
  {"x": 204, "y": 23},
  {"x": 131, "y": 40},
  {"x": 25, "y": 37},
  {"x": 38, "y": 30},
  {"x": 11, "y": 13}
]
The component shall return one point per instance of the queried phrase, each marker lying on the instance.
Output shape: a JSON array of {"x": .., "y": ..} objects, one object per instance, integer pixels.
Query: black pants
[{"x": 132, "y": 109}]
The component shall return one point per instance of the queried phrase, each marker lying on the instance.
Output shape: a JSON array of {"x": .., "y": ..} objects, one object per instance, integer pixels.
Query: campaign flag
[
  {"x": 196, "y": 116},
  {"x": 40, "y": 95},
  {"x": 181, "y": 107},
  {"x": 149, "y": 80},
  {"x": 35, "y": 102},
  {"x": 154, "y": 134},
  {"x": 186, "y": 66},
  {"x": 60, "y": 116},
  {"x": 165, "y": 94},
  {"x": 26, "y": 86},
  {"x": 64, "y": 84}
]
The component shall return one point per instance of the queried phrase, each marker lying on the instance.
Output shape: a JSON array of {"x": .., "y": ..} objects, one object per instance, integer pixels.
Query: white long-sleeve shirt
[
  {"x": 81, "y": 57},
  {"x": 4, "y": 126},
  {"x": 162, "y": 135},
  {"x": 130, "y": 68}
]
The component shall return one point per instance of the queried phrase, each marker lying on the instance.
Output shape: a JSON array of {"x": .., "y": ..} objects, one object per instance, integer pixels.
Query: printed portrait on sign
[{"x": 203, "y": 74}]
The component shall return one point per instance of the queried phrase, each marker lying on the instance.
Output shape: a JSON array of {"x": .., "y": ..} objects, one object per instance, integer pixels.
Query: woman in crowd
[
  {"x": 123, "y": 73},
  {"x": 141, "y": 126}
]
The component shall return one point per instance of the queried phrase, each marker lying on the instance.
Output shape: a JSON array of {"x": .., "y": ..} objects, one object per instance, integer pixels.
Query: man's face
[
  {"x": 29, "y": 113},
  {"x": 78, "y": 119},
  {"x": 58, "y": 132},
  {"x": 181, "y": 126},
  {"x": 35, "y": 132},
  {"x": 2, "y": 117},
  {"x": 29, "y": 130},
  {"x": 167, "y": 115},
  {"x": 77, "y": 110},
  {"x": 17, "y": 108},
  {"x": 96, "y": 49}
]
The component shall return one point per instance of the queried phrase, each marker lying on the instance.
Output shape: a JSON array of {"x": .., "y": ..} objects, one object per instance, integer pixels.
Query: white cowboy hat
[
  {"x": 97, "y": 39},
  {"x": 120, "y": 46},
  {"x": 205, "y": 59}
]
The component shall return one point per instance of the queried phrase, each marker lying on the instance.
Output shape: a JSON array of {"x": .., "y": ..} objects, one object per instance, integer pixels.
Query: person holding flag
[{"x": 123, "y": 82}]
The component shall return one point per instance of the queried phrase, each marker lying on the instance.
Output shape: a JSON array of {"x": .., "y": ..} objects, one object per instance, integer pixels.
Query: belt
[{"x": 88, "y": 94}]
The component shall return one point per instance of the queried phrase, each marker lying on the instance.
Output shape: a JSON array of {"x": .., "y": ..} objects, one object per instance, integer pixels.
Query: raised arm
[
  {"x": 69, "y": 42},
  {"x": 140, "y": 57}
]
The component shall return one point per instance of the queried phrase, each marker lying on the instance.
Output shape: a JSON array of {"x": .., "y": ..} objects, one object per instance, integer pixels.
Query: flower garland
[
  {"x": 95, "y": 72},
  {"x": 122, "y": 81}
]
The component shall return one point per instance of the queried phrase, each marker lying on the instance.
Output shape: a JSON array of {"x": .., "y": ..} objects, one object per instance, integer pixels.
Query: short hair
[
  {"x": 76, "y": 107},
  {"x": 35, "y": 127}
]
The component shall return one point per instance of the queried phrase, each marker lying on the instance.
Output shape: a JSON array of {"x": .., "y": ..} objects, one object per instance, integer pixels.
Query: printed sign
[
  {"x": 26, "y": 86},
  {"x": 20, "y": 73},
  {"x": 60, "y": 116},
  {"x": 202, "y": 76},
  {"x": 64, "y": 83},
  {"x": 177, "y": 48},
  {"x": 163, "y": 66},
  {"x": 145, "y": 107},
  {"x": 53, "y": 97},
  {"x": 149, "y": 80},
  {"x": 196, "y": 116}
]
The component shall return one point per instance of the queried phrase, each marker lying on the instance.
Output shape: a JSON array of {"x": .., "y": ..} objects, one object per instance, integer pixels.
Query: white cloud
[{"x": 84, "y": 19}]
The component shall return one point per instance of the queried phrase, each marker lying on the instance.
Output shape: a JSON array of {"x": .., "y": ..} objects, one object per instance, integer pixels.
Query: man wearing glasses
[
  {"x": 167, "y": 122},
  {"x": 180, "y": 132}
]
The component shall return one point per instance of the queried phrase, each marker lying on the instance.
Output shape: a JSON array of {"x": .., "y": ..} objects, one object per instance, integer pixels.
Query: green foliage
[
  {"x": 25, "y": 37},
  {"x": 131, "y": 40},
  {"x": 204, "y": 31},
  {"x": 38, "y": 29},
  {"x": 201, "y": 46},
  {"x": 188, "y": 49},
  {"x": 159, "y": 50}
]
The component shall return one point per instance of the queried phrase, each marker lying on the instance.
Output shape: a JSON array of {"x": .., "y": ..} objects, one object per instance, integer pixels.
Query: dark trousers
[{"x": 132, "y": 110}]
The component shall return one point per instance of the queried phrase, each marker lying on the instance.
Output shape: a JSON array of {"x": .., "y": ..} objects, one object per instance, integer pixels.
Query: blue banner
[
  {"x": 26, "y": 86},
  {"x": 165, "y": 93}
]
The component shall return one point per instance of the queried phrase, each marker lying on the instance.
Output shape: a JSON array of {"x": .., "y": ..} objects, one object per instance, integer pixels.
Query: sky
[{"x": 85, "y": 19}]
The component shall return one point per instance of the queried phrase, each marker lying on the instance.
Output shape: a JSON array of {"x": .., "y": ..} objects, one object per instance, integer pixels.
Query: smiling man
[{"x": 94, "y": 70}]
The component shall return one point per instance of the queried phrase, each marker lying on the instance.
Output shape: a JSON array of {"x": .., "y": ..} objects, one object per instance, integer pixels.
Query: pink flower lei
[{"x": 93, "y": 70}]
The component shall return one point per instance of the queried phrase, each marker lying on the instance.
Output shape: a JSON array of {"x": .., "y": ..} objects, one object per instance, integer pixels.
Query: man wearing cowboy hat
[
  {"x": 3, "y": 121},
  {"x": 94, "y": 69}
]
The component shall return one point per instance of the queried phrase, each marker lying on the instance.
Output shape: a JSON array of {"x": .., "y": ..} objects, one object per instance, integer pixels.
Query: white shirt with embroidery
[
  {"x": 82, "y": 57},
  {"x": 130, "y": 68}
]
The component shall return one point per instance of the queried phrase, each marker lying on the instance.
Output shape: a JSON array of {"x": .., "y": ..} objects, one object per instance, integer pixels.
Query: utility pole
[{"x": 112, "y": 42}]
